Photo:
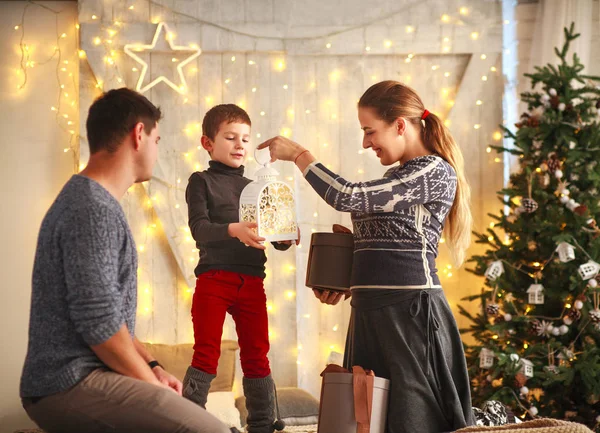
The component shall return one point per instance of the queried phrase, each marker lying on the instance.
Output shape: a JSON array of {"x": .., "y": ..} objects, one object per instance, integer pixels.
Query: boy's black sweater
[{"x": 213, "y": 199}]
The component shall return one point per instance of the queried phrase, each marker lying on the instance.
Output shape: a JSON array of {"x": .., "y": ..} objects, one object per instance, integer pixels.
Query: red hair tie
[{"x": 425, "y": 114}]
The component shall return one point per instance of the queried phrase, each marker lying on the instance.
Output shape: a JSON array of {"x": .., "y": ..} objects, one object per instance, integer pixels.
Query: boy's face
[{"x": 230, "y": 145}]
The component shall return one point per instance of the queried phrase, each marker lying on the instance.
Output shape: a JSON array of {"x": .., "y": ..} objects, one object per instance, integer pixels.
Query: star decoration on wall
[{"x": 132, "y": 49}]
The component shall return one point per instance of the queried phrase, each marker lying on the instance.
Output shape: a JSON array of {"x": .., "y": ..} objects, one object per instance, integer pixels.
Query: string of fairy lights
[
  {"x": 118, "y": 66},
  {"x": 66, "y": 108}
]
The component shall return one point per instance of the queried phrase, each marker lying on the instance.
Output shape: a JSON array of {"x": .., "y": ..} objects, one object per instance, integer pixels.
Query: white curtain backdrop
[{"x": 553, "y": 16}]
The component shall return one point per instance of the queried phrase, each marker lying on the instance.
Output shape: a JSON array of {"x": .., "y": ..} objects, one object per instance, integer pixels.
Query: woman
[{"x": 401, "y": 325}]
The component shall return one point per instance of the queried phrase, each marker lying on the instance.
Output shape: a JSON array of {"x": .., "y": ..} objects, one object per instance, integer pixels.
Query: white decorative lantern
[
  {"x": 589, "y": 270},
  {"x": 494, "y": 270},
  {"x": 566, "y": 252},
  {"x": 486, "y": 358},
  {"x": 536, "y": 294},
  {"x": 526, "y": 367},
  {"x": 270, "y": 203}
]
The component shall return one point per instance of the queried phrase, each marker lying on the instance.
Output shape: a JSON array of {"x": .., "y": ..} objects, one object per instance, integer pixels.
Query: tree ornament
[
  {"x": 520, "y": 380},
  {"x": 494, "y": 270},
  {"x": 496, "y": 383},
  {"x": 531, "y": 245},
  {"x": 492, "y": 309},
  {"x": 536, "y": 294},
  {"x": 486, "y": 358},
  {"x": 558, "y": 174},
  {"x": 507, "y": 317},
  {"x": 567, "y": 320},
  {"x": 564, "y": 199},
  {"x": 562, "y": 106},
  {"x": 545, "y": 180},
  {"x": 593, "y": 283},
  {"x": 524, "y": 390},
  {"x": 553, "y": 162},
  {"x": 526, "y": 367},
  {"x": 555, "y": 331},
  {"x": 575, "y": 313},
  {"x": 536, "y": 328},
  {"x": 564, "y": 329},
  {"x": 514, "y": 357},
  {"x": 533, "y": 411},
  {"x": 566, "y": 252},
  {"x": 552, "y": 92},
  {"x": 572, "y": 145},
  {"x": 589, "y": 270},
  {"x": 529, "y": 205},
  {"x": 580, "y": 209},
  {"x": 595, "y": 313}
]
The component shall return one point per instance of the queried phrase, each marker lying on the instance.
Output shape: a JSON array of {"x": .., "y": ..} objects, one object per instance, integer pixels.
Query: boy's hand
[{"x": 245, "y": 232}]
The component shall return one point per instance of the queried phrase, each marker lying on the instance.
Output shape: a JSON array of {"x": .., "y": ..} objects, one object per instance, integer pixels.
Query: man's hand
[
  {"x": 167, "y": 379},
  {"x": 245, "y": 232}
]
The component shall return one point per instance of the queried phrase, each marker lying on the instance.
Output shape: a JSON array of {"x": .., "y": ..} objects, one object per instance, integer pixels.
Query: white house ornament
[
  {"x": 589, "y": 270},
  {"x": 566, "y": 252},
  {"x": 486, "y": 358},
  {"x": 526, "y": 367},
  {"x": 270, "y": 203},
  {"x": 494, "y": 270},
  {"x": 535, "y": 294}
]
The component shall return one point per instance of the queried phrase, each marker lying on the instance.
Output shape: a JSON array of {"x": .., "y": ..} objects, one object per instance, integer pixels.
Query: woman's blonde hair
[{"x": 390, "y": 100}]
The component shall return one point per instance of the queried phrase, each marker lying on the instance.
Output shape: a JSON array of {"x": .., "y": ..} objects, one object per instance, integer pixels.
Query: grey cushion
[{"x": 296, "y": 407}]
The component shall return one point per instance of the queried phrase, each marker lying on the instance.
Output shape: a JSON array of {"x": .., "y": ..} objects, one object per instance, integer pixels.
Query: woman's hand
[
  {"x": 282, "y": 148},
  {"x": 330, "y": 297}
]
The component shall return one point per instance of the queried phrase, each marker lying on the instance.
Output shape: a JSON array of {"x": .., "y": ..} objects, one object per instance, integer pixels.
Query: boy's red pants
[{"x": 243, "y": 296}]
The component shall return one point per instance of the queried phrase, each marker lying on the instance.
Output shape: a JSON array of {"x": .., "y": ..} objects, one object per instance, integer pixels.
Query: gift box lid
[{"x": 347, "y": 378}]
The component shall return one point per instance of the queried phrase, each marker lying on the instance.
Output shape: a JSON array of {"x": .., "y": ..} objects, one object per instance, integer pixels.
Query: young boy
[{"x": 231, "y": 269}]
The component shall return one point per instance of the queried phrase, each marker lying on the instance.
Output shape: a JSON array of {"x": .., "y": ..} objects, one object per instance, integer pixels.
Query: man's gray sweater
[{"x": 84, "y": 287}]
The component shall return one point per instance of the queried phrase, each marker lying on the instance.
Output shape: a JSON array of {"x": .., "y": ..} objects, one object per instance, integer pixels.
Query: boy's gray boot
[
  {"x": 196, "y": 384},
  {"x": 260, "y": 402}
]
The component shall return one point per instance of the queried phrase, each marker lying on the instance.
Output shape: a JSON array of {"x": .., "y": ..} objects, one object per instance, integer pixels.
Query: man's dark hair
[
  {"x": 228, "y": 113},
  {"x": 114, "y": 114}
]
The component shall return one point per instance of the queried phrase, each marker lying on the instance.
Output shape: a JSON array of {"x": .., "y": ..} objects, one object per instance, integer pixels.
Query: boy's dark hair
[
  {"x": 218, "y": 114},
  {"x": 114, "y": 114}
]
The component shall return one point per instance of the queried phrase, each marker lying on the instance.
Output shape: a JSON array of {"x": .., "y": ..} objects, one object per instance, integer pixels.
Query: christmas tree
[{"x": 538, "y": 332}]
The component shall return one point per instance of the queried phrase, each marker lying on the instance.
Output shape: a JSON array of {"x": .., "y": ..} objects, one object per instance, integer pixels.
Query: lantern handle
[{"x": 266, "y": 164}]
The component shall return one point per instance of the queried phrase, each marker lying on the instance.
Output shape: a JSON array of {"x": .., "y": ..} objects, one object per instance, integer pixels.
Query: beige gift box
[{"x": 354, "y": 402}]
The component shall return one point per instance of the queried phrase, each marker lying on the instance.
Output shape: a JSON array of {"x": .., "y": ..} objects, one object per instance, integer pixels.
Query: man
[{"x": 85, "y": 371}]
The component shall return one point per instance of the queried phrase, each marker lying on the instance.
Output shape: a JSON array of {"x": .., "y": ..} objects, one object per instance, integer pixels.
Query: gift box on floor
[{"x": 354, "y": 402}]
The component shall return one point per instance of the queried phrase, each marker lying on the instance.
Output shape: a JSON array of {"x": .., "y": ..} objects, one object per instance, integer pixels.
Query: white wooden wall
[{"x": 291, "y": 83}]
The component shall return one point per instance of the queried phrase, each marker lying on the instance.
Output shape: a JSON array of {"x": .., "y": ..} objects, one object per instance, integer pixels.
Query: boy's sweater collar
[{"x": 223, "y": 168}]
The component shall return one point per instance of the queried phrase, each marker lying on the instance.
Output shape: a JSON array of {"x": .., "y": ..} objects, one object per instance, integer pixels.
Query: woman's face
[{"x": 385, "y": 140}]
